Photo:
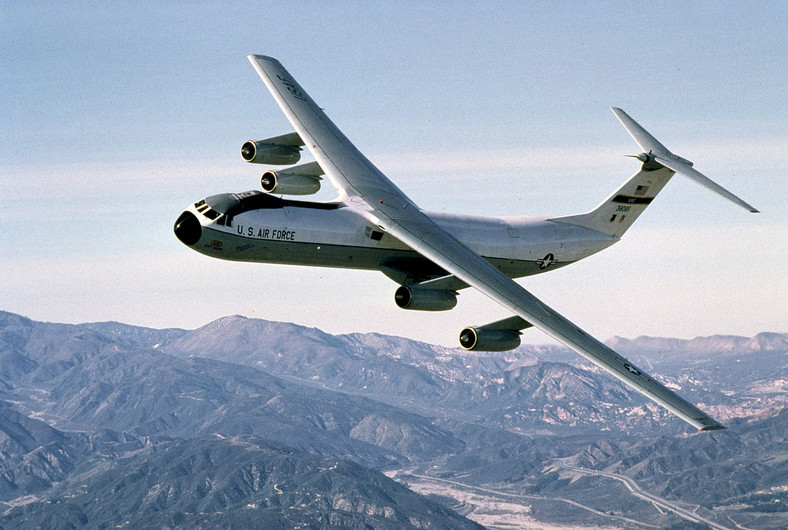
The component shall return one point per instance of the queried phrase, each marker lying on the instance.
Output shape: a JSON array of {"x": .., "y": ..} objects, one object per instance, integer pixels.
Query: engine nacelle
[
  {"x": 417, "y": 299},
  {"x": 479, "y": 339},
  {"x": 297, "y": 180},
  {"x": 289, "y": 183},
  {"x": 263, "y": 152}
]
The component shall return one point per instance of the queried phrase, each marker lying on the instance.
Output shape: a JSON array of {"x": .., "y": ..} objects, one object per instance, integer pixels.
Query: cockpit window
[
  {"x": 222, "y": 208},
  {"x": 232, "y": 204}
]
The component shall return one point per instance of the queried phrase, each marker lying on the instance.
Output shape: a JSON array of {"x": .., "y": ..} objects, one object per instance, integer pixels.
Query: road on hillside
[
  {"x": 402, "y": 476},
  {"x": 637, "y": 491}
]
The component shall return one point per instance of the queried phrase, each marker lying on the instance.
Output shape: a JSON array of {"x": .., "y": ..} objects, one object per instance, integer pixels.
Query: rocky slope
[{"x": 251, "y": 423}]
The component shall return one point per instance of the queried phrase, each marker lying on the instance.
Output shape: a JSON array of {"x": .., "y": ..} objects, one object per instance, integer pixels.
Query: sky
[{"x": 115, "y": 118}]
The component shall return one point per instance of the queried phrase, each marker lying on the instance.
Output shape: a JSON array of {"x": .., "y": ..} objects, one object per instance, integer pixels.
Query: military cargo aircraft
[{"x": 373, "y": 225}]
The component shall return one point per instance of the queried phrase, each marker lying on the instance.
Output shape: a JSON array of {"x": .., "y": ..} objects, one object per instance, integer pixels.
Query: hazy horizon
[{"x": 118, "y": 117}]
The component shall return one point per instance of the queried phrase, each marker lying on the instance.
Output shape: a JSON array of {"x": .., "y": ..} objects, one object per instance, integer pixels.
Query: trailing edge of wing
[{"x": 382, "y": 203}]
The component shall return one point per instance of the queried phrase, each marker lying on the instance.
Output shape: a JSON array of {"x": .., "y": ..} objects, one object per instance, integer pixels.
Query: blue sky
[{"x": 115, "y": 118}]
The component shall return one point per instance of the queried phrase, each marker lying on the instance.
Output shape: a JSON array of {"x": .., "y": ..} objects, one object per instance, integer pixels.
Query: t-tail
[{"x": 617, "y": 213}]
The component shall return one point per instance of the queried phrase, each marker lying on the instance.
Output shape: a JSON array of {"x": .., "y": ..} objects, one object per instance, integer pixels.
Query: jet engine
[
  {"x": 474, "y": 339},
  {"x": 503, "y": 335},
  {"x": 278, "y": 151},
  {"x": 409, "y": 297},
  {"x": 298, "y": 180}
]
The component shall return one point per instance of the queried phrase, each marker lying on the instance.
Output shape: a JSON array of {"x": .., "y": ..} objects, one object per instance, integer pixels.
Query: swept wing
[{"x": 376, "y": 198}]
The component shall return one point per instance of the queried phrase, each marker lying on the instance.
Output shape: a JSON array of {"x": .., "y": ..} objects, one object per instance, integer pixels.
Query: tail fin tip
[{"x": 654, "y": 150}]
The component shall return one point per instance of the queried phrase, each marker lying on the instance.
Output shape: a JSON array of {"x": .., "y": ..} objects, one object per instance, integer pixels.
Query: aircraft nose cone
[{"x": 188, "y": 229}]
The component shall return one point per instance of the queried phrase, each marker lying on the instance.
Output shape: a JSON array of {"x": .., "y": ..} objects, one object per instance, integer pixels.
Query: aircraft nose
[{"x": 187, "y": 228}]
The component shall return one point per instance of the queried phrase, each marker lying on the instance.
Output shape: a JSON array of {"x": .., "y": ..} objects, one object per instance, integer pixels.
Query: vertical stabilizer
[{"x": 617, "y": 213}]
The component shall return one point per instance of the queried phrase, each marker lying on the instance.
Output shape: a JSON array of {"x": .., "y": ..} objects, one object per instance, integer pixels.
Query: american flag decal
[{"x": 641, "y": 190}]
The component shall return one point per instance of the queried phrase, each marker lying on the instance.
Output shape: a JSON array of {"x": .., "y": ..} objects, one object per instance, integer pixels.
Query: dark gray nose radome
[{"x": 188, "y": 229}]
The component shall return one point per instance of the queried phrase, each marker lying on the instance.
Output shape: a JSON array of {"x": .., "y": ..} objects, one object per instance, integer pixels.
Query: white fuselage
[{"x": 274, "y": 230}]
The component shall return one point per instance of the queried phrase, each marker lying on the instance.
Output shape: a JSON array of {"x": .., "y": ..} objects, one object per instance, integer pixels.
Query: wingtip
[
  {"x": 254, "y": 57},
  {"x": 716, "y": 427}
]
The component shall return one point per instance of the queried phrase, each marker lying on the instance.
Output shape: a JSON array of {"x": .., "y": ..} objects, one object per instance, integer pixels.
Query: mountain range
[{"x": 246, "y": 422}]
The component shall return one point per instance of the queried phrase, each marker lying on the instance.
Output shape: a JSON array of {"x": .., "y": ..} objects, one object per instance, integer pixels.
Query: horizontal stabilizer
[{"x": 655, "y": 151}]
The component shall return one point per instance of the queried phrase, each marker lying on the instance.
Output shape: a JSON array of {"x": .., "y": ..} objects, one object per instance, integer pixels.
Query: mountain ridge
[
  {"x": 713, "y": 344},
  {"x": 103, "y": 404}
]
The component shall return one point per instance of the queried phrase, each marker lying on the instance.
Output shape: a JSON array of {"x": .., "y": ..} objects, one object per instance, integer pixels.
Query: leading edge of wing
[
  {"x": 382, "y": 203},
  {"x": 420, "y": 233}
]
